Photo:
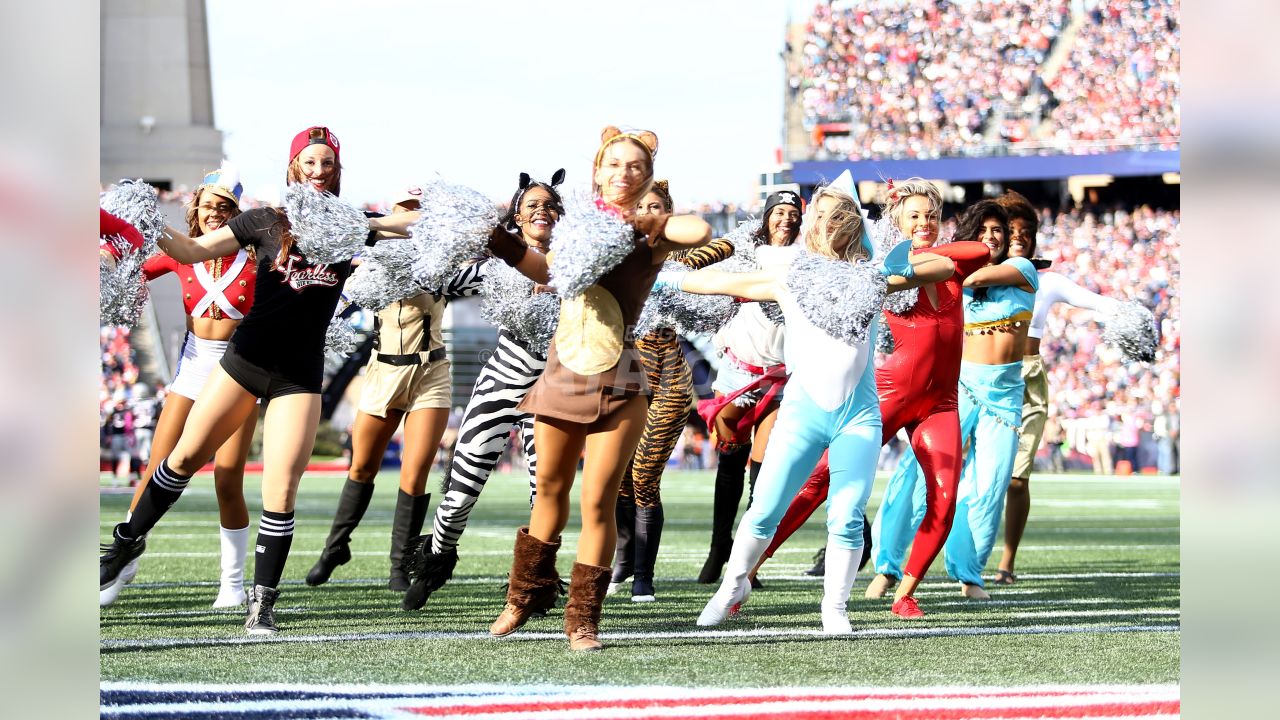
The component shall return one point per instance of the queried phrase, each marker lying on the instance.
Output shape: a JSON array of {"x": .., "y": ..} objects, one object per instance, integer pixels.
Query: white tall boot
[
  {"x": 842, "y": 570},
  {"x": 234, "y": 544},
  {"x": 735, "y": 587}
]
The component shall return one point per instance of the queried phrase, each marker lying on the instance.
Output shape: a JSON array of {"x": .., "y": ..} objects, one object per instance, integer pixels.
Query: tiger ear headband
[{"x": 643, "y": 138}]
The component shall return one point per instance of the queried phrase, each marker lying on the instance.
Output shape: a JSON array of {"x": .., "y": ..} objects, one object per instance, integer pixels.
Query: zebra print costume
[{"x": 486, "y": 423}]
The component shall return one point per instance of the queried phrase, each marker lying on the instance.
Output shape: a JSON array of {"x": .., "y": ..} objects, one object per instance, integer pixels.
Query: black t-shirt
[{"x": 285, "y": 329}]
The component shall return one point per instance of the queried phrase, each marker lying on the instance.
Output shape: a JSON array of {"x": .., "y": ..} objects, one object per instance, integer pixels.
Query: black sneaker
[
  {"x": 819, "y": 568},
  {"x": 261, "y": 618},
  {"x": 115, "y": 555}
]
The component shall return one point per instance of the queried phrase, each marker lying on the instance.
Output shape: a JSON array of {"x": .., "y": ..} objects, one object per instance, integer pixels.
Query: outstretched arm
[
  {"x": 759, "y": 285},
  {"x": 1017, "y": 272},
  {"x": 393, "y": 225},
  {"x": 927, "y": 268},
  {"x": 188, "y": 250}
]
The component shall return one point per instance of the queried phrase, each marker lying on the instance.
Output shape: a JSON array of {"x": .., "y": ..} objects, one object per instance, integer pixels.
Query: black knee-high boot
[
  {"x": 623, "y": 558},
  {"x": 728, "y": 494},
  {"x": 411, "y": 512},
  {"x": 648, "y": 535},
  {"x": 352, "y": 503}
]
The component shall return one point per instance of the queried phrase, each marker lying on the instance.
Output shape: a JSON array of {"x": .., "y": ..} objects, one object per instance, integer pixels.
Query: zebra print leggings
[
  {"x": 486, "y": 424},
  {"x": 672, "y": 385}
]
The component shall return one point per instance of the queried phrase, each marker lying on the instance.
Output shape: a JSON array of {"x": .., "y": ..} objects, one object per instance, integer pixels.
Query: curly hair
[
  {"x": 1019, "y": 208},
  {"x": 761, "y": 235},
  {"x": 969, "y": 224}
]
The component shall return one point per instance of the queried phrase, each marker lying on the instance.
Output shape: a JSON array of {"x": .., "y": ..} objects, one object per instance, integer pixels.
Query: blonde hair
[
  {"x": 643, "y": 139},
  {"x": 899, "y": 192},
  {"x": 841, "y": 226}
]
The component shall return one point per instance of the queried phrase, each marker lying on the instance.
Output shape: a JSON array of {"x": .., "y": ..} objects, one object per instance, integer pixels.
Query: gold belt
[{"x": 989, "y": 327}]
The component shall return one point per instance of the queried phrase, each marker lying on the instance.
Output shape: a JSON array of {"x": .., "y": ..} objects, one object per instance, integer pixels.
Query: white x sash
[{"x": 213, "y": 289}]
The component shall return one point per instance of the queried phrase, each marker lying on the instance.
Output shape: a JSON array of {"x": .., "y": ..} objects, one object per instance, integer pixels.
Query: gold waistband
[{"x": 1003, "y": 325}]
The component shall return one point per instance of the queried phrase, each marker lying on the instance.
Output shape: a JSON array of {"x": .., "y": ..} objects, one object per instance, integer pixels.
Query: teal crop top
[{"x": 1005, "y": 306}]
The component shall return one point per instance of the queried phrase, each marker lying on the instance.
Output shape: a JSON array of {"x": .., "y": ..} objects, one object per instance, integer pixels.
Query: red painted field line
[
  {"x": 1170, "y": 707},
  {"x": 640, "y": 703}
]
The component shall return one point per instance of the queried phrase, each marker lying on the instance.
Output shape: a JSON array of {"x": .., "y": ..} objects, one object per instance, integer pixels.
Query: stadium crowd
[{"x": 922, "y": 78}]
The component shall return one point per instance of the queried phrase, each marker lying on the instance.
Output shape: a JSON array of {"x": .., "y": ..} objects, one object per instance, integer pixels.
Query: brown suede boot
[
  {"x": 533, "y": 585},
  {"x": 587, "y": 586}
]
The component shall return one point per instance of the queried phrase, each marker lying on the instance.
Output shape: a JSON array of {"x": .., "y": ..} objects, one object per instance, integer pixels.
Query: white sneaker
[
  {"x": 835, "y": 623},
  {"x": 644, "y": 598},
  {"x": 613, "y": 588},
  {"x": 726, "y": 598},
  {"x": 109, "y": 595},
  {"x": 230, "y": 596}
]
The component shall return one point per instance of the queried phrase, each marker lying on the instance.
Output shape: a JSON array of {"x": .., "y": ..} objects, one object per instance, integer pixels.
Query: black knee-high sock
[
  {"x": 755, "y": 473},
  {"x": 275, "y": 535},
  {"x": 162, "y": 492}
]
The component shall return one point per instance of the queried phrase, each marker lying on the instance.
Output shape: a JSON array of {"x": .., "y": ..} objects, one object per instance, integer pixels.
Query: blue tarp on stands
[{"x": 999, "y": 168}]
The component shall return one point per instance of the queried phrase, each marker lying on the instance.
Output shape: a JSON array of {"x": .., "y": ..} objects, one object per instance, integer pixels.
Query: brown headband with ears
[{"x": 612, "y": 134}]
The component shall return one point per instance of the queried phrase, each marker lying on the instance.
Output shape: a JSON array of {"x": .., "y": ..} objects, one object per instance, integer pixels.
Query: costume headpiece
[
  {"x": 643, "y": 138},
  {"x": 224, "y": 182}
]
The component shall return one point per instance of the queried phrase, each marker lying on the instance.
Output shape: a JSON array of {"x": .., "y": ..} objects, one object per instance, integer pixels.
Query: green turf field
[{"x": 1097, "y": 602}]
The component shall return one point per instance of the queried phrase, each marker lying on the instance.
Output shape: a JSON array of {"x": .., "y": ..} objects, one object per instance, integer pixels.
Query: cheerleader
[
  {"x": 216, "y": 294},
  {"x": 639, "y": 511},
  {"x": 917, "y": 386},
  {"x": 831, "y": 400},
  {"x": 1054, "y": 289},
  {"x": 407, "y": 379},
  {"x": 592, "y": 396},
  {"x": 998, "y": 300},
  {"x": 748, "y": 388},
  {"x": 491, "y": 413},
  {"x": 275, "y": 354}
]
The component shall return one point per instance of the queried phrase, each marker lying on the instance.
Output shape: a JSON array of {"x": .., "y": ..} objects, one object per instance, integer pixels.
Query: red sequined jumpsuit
[{"x": 917, "y": 388}]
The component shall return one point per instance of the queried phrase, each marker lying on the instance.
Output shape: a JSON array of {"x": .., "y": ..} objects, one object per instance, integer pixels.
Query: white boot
[
  {"x": 735, "y": 587},
  {"x": 234, "y": 544},
  {"x": 842, "y": 570}
]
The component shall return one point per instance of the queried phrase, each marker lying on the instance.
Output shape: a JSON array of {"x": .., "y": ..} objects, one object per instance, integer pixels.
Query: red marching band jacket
[{"x": 215, "y": 288}]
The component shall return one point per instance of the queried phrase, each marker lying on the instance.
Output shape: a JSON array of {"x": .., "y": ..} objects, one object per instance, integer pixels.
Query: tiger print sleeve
[{"x": 709, "y": 254}]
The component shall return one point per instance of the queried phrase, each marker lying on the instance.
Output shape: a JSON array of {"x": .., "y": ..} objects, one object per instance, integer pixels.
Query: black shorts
[{"x": 264, "y": 383}]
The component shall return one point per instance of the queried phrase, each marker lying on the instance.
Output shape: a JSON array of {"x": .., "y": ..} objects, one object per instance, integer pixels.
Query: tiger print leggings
[
  {"x": 482, "y": 436},
  {"x": 672, "y": 385}
]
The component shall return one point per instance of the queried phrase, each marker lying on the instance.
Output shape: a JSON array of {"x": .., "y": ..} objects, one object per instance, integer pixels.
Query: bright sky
[{"x": 477, "y": 92}]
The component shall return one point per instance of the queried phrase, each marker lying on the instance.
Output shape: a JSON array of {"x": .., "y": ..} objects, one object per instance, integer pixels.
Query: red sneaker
[{"x": 906, "y": 608}]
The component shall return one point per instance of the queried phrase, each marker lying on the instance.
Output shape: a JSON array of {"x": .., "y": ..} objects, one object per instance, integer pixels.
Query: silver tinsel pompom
[
  {"x": 325, "y": 229},
  {"x": 688, "y": 313},
  {"x": 385, "y": 275},
  {"x": 1132, "y": 330},
  {"x": 743, "y": 239},
  {"x": 587, "y": 243},
  {"x": 508, "y": 301},
  {"x": 453, "y": 229},
  {"x": 886, "y": 235},
  {"x": 901, "y": 302},
  {"x": 841, "y": 298},
  {"x": 138, "y": 204},
  {"x": 340, "y": 337},
  {"x": 122, "y": 290},
  {"x": 884, "y": 337}
]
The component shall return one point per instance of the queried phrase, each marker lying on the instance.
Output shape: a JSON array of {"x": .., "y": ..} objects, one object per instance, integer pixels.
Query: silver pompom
[
  {"x": 325, "y": 229},
  {"x": 453, "y": 229},
  {"x": 385, "y": 275},
  {"x": 1132, "y": 330},
  {"x": 688, "y": 313},
  {"x": 340, "y": 337},
  {"x": 122, "y": 290},
  {"x": 138, "y": 204},
  {"x": 901, "y": 302},
  {"x": 743, "y": 239},
  {"x": 587, "y": 243},
  {"x": 841, "y": 298},
  {"x": 884, "y": 337},
  {"x": 508, "y": 300}
]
